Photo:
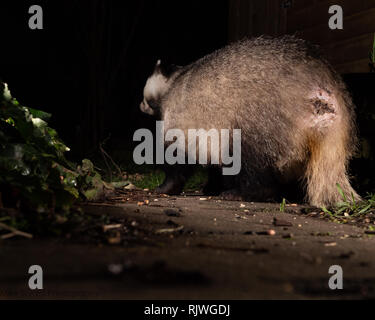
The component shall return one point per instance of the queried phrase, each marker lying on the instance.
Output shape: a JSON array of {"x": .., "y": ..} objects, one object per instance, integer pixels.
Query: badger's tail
[{"x": 331, "y": 145}]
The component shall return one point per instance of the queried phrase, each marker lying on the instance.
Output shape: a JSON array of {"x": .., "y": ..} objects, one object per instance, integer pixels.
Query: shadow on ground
[{"x": 189, "y": 247}]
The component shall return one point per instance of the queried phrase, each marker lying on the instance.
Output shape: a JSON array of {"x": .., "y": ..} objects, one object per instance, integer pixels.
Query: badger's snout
[
  {"x": 146, "y": 108},
  {"x": 142, "y": 106}
]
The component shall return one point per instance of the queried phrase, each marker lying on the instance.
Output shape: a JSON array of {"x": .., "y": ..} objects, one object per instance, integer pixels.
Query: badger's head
[{"x": 156, "y": 86}]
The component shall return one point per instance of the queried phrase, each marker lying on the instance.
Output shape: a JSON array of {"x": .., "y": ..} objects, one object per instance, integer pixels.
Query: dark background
[{"x": 89, "y": 64}]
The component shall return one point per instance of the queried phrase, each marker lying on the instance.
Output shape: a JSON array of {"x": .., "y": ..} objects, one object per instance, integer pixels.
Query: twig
[
  {"x": 111, "y": 226},
  {"x": 106, "y": 162},
  {"x": 110, "y": 158},
  {"x": 13, "y": 232}
]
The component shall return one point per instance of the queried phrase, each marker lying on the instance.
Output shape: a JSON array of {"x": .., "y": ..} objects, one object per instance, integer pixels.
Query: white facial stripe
[{"x": 155, "y": 86}]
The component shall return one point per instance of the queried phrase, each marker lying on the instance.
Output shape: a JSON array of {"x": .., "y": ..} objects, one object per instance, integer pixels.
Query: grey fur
[{"x": 296, "y": 116}]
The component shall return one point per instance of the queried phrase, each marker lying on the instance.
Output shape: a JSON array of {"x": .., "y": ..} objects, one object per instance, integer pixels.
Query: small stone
[
  {"x": 288, "y": 236},
  {"x": 281, "y": 223},
  {"x": 115, "y": 240},
  {"x": 266, "y": 233},
  {"x": 115, "y": 269},
  {"x": 172, "y": 213},
  {"x": 330, "y": 244},
  {"x": 249, "y": 233},
  {"x": 134, "y": 223},
  {"x": 271, "y": 232},
  {"x": 346, "y": 255}
]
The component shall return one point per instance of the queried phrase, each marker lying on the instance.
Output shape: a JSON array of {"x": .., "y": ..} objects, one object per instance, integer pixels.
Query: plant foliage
[{"x": 34, "y": 172}]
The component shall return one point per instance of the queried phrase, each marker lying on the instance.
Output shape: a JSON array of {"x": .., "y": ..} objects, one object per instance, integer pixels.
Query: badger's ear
[
  {"x": 165, "y": 70},
  {"x": 157, "y": 68}
]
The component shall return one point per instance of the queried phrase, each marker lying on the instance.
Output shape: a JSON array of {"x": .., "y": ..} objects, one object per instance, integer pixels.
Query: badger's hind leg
[
  {"x": 219, "y": 184},
  {"x": 214, "y": 183},
  {"x": 259, "y": 184},
  {"x": 330, "y": 136}
]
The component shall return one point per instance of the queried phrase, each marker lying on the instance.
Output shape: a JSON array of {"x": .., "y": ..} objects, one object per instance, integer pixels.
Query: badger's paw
[
  {"x": 231, "y": 195},
  {"x": 171, "y": 187}
]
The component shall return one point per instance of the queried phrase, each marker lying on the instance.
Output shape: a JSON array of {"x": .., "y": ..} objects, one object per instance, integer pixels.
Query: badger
[{"x": 295, "y": 114}]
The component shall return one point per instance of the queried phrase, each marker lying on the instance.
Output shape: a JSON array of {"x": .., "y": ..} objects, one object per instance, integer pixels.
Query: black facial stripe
[{"x": 153, "y": 104}]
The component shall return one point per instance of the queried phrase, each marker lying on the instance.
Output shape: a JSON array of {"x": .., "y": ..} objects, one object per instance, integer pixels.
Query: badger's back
[
  {"x": 259, "y": 75},
  {"x": 266, "y": 87}
]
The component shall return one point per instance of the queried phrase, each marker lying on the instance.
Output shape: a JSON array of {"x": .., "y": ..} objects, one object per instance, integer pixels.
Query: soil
[{"x": 194, "y": 247}]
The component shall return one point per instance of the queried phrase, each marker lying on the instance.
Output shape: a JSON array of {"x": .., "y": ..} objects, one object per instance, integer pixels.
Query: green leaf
[
  {"x": 327, "y": 211},
  {"x": 33, "y": 163},
  {"x": 364, "y": 209},
  {"x": 73, "y": 191},
  {"x": 341, "y": 192},
  {"x": 40, "y": 114},
  {"x": 119, "y": 184},
  {"x": 92, "y": 194},
  {"x": 282, "y": 205}
]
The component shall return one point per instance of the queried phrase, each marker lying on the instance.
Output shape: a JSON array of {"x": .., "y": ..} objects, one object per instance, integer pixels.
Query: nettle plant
[{"x": 34, "y": 173}]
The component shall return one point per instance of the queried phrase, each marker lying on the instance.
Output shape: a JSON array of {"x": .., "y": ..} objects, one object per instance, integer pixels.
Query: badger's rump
[{"x": 279, "y": 92}]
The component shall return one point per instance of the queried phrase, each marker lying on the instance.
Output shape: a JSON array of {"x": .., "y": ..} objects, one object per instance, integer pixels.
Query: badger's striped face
[{"x": 154, "y": 89}]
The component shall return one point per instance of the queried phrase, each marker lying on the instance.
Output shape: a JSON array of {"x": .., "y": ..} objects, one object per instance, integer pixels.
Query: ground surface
[{"x": 191, "y": 248}]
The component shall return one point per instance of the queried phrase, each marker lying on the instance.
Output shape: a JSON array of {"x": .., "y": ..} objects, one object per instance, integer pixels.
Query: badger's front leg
[{"x": 175, "y": 179}]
